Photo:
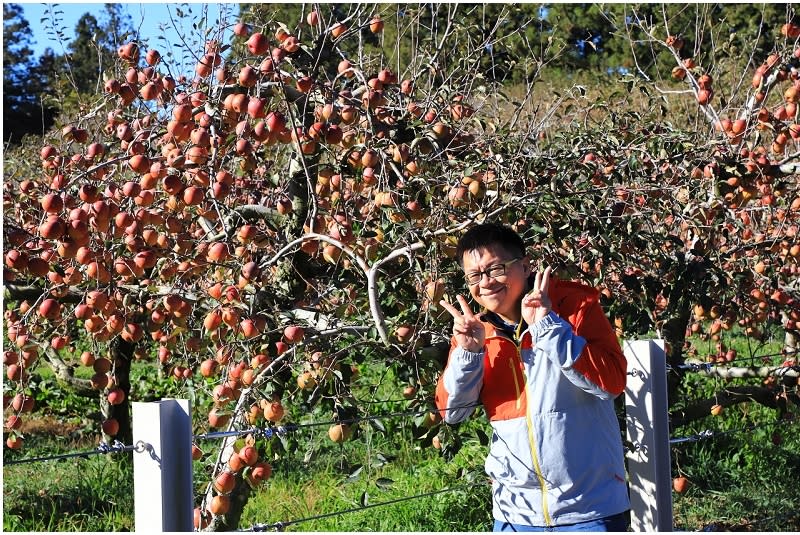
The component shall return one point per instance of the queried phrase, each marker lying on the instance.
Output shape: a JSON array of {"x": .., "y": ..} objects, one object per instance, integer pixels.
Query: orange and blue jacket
[{"x": 556, "y": 455}]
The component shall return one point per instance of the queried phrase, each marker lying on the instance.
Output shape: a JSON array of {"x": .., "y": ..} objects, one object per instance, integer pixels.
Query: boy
[{"x": 545, "y": 363}]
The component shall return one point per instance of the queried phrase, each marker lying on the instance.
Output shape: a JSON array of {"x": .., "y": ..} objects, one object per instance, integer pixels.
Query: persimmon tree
[
  {"x": 741, "y": 222},
  {"x": 287, "y": 208}
]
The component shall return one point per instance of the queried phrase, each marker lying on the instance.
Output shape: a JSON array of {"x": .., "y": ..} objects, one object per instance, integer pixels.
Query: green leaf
[
  {"x": 355, "y": 474},
  {"x": 386, "y": 458},
  {"x": 377, "y": 424},
  {"x": 384, "y": 482},
  {"x": 483, "y": 439}
]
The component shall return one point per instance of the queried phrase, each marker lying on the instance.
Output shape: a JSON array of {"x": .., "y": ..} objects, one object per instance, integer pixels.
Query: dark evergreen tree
[
  {"x": 24, "y": 112},
  {"x": 93, "y": 50}
]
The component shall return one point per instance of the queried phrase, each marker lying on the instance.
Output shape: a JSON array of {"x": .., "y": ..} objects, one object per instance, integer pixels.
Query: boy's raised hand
[
  {"x": 467, "y": 328},
  {"x": 536, "y": 304}
]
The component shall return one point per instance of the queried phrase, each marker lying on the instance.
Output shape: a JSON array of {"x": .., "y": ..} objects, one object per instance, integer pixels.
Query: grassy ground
[
  {"x": 76, "y": 494},
  {"x": 399, "y": 495},
  {"x": 96, "y": 493},
  {"x": 741, "y": 478},
  {"x": 742, "y": 482},
  {"x": 384, "y": 468}
]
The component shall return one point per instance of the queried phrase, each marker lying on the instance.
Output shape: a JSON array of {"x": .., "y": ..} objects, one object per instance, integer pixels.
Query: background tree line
[{"x": 583, "y": 42}]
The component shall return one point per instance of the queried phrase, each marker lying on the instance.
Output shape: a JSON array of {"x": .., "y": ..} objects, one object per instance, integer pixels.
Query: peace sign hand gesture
[
  {"x": 536, "y": 304},
  {"x": 468, "y": 330}
]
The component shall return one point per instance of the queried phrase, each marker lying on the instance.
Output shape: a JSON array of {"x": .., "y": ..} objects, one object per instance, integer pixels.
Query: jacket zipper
[
  {"x": 516, "y": 383},
  {"x": 531, "y": 441}
]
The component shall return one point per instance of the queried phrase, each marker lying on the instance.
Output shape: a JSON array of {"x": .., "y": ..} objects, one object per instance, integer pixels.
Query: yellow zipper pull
[{"x": 516, "y": 383}]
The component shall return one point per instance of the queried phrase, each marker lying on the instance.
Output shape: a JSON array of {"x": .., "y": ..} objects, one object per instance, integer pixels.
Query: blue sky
[{"x": 151, "y": 18}]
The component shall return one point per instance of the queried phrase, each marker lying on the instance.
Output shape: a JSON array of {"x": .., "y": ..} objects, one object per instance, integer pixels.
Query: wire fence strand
[
  {"x": 265, "y": 432},
  {"x": 706, "y": 434},
  {"x": 708, "y": 366},
  {"x": 282, "y": 430},
  {"x": 102, "y": 449},
  {"x": 780, "y": 516}
]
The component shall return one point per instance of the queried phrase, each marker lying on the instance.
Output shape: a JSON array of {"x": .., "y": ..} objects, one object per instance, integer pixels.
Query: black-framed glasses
[{"x": 493, "y": 271}]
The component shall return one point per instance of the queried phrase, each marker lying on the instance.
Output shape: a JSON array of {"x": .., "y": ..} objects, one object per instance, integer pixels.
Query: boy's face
[{"x": 500, "y": 294}]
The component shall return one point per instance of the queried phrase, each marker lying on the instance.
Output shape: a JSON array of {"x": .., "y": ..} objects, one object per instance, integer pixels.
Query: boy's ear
[{"x": 526, "y": 264}]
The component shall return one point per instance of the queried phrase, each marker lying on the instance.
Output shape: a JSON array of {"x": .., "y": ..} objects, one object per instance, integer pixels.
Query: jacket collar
[
  {"x": 509, "y": 330},
  {"x": 502, "y": 328}
]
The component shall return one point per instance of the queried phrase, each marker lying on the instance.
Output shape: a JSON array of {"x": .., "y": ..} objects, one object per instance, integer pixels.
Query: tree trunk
[
  {"x": 674, "y": 327},
  {"x": 230, "y": 521},
  {"x": 303, "y": 178},
  {"x": 122, "y": 356}
]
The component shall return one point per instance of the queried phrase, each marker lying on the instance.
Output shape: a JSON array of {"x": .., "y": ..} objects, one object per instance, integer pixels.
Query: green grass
[
  {"x": 737, "y": 479},
  {"x": 392, "y": 461},
  {"x": 330, "y": 494},
  {"x": 76, "y": 494},
  {"x": 95, "y": 493},
  {"x": 741, "y": 480},
  {"x": 746, "y": 474},
  {"x": 744, "y": 478}
]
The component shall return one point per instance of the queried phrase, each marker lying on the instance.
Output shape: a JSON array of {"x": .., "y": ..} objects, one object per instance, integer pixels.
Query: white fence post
[
  {"x": 162, "y": 474},
  {"x": 646, "y": 412}
]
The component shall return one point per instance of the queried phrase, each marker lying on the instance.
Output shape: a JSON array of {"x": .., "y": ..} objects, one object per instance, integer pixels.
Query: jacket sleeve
[
  {"x": 459, "y": 387},
  {"x": 588, "y": 354},
  {"x": 602, "y": 360}
]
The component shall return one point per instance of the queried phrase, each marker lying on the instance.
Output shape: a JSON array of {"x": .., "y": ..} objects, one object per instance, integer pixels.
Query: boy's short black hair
[{"x": 489, "y": 235}]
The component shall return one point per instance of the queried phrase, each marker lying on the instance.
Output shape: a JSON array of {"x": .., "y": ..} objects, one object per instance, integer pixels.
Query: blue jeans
[{"x": 618, "y": 522}]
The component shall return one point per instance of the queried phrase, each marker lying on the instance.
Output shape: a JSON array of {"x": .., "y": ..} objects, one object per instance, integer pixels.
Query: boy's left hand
[{"x": 536, "y": 304}]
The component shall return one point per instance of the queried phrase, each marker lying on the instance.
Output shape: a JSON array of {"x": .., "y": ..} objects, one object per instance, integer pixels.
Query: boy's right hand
[{"x": 468, "y": 330}]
